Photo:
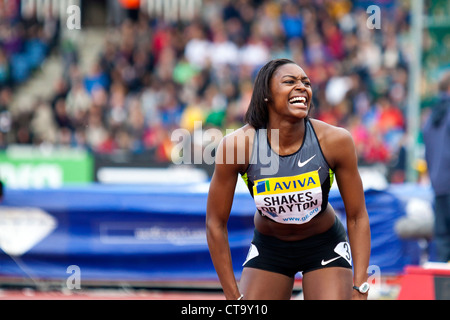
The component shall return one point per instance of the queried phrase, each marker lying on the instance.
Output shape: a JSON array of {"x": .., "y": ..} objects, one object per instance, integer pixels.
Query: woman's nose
[{"x": 300, "y": 86}]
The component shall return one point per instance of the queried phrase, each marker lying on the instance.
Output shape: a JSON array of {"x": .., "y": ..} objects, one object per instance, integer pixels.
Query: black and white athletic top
[{"x": 289, "y": 189}]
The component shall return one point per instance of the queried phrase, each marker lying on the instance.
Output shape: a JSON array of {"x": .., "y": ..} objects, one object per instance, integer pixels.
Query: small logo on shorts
[
  {"x": 343, "y": 250},
  {"x": 328, "y": 261}
]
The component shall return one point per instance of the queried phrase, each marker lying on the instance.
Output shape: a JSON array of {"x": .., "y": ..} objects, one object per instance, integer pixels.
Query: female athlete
[{"x": 289, "y": 162}]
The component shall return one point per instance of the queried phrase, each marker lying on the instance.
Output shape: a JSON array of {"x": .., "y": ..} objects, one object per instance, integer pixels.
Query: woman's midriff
[{"x": 292, "y": 232}]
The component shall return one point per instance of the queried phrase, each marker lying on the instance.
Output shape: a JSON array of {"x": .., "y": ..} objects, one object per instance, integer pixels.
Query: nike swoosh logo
[
  {"x": 328, "y": 261},
  {"x": 302, "y": 164}
]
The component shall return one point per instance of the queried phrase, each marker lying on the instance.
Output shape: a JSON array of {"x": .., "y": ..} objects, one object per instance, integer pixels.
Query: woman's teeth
[{"x": 299, "y": 100}]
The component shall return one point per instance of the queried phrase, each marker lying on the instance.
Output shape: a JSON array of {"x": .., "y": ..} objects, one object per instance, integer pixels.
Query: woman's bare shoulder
[
  {"x": 237, "y": 138},
  {"x": 335, "y": 141},
  {"x": 327, "y": 132},
  {"x": 235, "y": 148}
]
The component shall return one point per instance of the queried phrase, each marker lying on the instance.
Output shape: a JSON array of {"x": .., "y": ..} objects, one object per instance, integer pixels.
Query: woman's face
[{"x": 291, "y": 92}]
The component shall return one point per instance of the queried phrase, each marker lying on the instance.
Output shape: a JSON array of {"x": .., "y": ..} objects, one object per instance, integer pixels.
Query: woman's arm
[
  {"x": 220, "y": 200},
  {"x": 352, "y": 193}
]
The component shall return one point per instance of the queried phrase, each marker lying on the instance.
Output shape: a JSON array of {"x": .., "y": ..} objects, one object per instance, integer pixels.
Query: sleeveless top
[{"x": 290, "y": 189}]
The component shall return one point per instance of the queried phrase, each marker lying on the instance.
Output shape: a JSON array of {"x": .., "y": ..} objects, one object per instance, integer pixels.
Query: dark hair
[{"x": 257, "y": 114}]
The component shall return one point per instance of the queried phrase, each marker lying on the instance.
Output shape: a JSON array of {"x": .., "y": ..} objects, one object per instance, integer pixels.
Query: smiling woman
[{"x": 296, "y": 229}]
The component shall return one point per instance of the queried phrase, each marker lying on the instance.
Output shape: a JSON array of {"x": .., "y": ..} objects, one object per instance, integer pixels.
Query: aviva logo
[
  {"x": 306, "y": 181},
  {"x": 262, "y": 186}
]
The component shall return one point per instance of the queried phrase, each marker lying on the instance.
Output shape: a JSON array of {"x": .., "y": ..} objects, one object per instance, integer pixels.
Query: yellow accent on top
[
  {"x": 331, "y": 177},
  {"x": 245, "y": 178}
]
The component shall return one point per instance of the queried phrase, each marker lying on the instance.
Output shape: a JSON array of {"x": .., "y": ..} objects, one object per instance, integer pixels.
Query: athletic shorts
[{"x": 328, "y": 249}]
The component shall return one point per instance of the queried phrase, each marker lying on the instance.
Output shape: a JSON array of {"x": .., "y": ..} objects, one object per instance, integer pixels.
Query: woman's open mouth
[{"x": 298, "y": 101}]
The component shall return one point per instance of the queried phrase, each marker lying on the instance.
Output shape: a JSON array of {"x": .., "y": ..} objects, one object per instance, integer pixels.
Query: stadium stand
[{"x": 153, "y": 75}]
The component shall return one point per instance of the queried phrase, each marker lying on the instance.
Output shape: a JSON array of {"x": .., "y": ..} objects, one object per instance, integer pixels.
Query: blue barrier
[{"x": 152, "y": 232}]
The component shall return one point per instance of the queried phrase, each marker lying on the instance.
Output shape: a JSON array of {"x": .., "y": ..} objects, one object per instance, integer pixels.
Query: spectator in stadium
[
  {"x": 292, "y": 234},
  {"x": 436, "y": 133},
  {"x": 4, "y": 69}
]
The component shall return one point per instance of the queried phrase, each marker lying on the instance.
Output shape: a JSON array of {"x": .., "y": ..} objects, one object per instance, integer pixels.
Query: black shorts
[{"x": 328, "y": 249}]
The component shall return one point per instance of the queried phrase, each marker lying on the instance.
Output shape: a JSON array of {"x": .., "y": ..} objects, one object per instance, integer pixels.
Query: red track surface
[{"x": 28, "y": 294}]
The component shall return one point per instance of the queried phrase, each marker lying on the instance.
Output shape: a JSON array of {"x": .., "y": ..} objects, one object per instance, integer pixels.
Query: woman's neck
[{"x": 286, "y": 137}]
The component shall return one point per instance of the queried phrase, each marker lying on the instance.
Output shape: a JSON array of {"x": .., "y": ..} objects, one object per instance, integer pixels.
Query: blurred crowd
[{"x": 154, "y": 76}]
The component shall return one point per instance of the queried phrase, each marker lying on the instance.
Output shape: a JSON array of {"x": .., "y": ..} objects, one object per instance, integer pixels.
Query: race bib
[
  {"x": 295, "y": 199},
  {"x": 343, "y": 249}
]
